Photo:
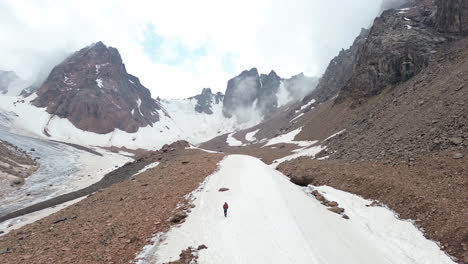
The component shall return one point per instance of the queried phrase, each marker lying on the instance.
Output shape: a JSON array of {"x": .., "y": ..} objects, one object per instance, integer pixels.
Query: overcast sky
[{"x": 178, "y": 47}]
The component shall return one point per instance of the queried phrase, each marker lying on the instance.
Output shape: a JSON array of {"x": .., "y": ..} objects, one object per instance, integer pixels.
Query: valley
[{"x": 366, "y": 164}]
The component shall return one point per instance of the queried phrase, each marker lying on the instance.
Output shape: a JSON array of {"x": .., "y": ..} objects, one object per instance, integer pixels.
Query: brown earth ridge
[{"x": 113, "y": 224}]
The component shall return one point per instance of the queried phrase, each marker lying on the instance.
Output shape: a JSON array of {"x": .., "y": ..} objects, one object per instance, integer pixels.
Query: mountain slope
[{"x": 402, "y": 118}]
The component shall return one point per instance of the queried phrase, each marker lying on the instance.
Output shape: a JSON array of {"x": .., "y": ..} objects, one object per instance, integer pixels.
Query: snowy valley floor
[{"x": 271, "y": 220}]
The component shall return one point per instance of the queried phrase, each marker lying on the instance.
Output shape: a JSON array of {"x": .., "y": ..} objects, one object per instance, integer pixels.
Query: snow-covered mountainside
[
  {"x": 90, "y": 99},
  {"x": 178, "y": 120}
]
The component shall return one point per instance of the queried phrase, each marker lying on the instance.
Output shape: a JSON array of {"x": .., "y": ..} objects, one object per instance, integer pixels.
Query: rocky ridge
[
  {"x": 265, "y": 93},
  {"x": 339, "y": 71},
  {"x": 400, "y": 44},
  {"x": 206, "y": 100}
]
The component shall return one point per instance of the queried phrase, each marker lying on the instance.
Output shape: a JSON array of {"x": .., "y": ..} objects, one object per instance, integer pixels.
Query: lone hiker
[{"x": 225, "y": 207}]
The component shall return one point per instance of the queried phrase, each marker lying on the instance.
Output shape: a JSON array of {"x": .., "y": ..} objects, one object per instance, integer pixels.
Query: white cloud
[{"x": 287, "y": 36}]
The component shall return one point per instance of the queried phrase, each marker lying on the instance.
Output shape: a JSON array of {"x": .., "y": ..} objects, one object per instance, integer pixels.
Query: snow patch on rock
[
  {"x": 232, "y": 141},
  {"x": 288, "y": 138},
  {"x": 251, "y": 135}
]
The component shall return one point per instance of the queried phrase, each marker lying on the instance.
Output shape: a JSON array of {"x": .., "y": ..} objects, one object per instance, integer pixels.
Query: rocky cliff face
[
  {"x": 6, "y": 78},
  {"x": 400, "y": 44},
  {"x": 93, "y": 90},
  {"x": 267, "y": 101},
  {"x": 206, "y": 100},
  {"x": 452, "y": 16},
  {"x": 241, "y": 92},
  {"x": 339, "y": 71},
  {"x": 262, "y": 92}
]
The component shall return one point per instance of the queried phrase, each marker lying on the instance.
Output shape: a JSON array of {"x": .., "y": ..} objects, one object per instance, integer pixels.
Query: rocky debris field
[
  {"x": 432, "y": 191},
  {"x": 15, "y": 164},
  {"x": 112, "y": 225},
  {"x": 426, "y": 114}
]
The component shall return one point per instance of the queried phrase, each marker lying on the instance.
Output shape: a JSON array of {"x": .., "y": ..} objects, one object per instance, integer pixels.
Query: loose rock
[
  {"x": 202, "y": 246},
  {"x": 178, "y": 217},
  {"x": 337, "y": 210},
  {"x": 456, "y": 140}
]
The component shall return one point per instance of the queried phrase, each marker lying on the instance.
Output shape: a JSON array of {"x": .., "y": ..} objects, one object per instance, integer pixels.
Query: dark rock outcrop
[
  {"x": 400, "y": 44},
  {"x": 93, "y": 90},
  {"x": 339, "y": 71},
  {"x": 249, "y": 90},
  {"x": 452, "y": 16},
  {"x": 6, "y": 78},
  {"x": 267, "y": 100},
  {"x": 241, "y": 92},
  {"x": 206, "y": 100}
]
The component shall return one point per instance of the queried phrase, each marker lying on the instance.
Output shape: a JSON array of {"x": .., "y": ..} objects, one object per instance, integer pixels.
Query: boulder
[
  {"x": 16, "y": 181},
  {"x": 336, "y": 210},
  {"x": 457, "y": 156},
  {"x": 319, "y": 196},
  {"x": 5, "y": 250},
  {"x": 301, "y": 180},
  {"x": 206, "y": 100},
  {"x": 456, "y": 140},
  {"x": 202, "y": 246},
  {"x": 332, "y": 204},
  {"x": 178, "y": 217}
]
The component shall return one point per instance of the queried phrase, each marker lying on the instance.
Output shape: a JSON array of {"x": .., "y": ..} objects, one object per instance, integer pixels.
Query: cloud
[{"x": 178, "y": 47}]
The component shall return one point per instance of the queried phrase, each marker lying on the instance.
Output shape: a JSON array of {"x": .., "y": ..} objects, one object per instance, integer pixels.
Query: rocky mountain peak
[
  {"x": 206, "y": 100},
  {"x": 400, "y": 44},
  {"x": 267, "y": 99},
  {"x": 339, "y": 71},
  {"x": 93, "y": 90},
  {"x": 262, "y": 92},
  {"x": 241, "y": 92}
]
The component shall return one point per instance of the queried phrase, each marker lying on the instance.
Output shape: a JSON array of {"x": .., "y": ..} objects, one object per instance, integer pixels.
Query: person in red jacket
[{"x": 225, "y": 207}]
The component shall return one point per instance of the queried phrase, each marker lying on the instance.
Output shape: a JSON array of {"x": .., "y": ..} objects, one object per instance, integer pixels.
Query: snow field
[
  {"x": 251, "y": 135},
  {"x": 271, "y": 220},
  {"x": 232, "y": 141},
  {"x": 184, "y": 123},
  {"x": 288, "y": 138}
]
